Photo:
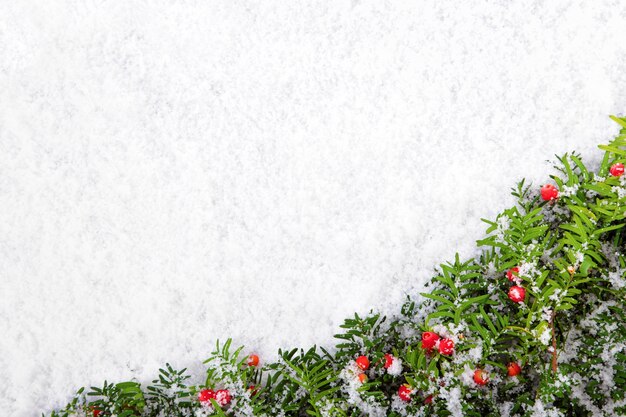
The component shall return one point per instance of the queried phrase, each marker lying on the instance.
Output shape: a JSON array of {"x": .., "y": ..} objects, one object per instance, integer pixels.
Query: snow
[
  {"x": 350, "y": 389},
  {"x": 176, "y": 172},
  {"x": 396, "y": 367},
  {"x": 453, "y": 401}
]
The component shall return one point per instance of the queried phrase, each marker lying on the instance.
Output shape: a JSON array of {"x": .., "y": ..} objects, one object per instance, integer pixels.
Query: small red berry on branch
[
  {"x": 429, "y": 339},
  {"x": 481, "y": 377},
  {"x": 617, "y": 170},
  {"x": 446, "y": 347},
  {"x": 549, "y": 192},
  {"x": 362, "y": 378},
  {"x": 513, "y": 369},
  {"x": 388, "y": 360},
  {"x": 362, "y": 362},
  {"x": 206, "y": 395},
  {"x": 517, "y": 294},
  {"x": 253, "y": 360},
  {"x": 428, "y": 400},
  {"x": 512, "y": 273},
  {"x": 222, "y": 397},
  {"x": 96, "y": 411},
  {"x": 404, "y": 392}
]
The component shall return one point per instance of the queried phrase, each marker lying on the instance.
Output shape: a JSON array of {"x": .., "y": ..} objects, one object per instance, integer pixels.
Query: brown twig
[{"x": 554, "y": 357}]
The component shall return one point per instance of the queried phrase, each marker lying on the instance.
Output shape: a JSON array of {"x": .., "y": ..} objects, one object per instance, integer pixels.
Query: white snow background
[{"x": 173, "y": 172}]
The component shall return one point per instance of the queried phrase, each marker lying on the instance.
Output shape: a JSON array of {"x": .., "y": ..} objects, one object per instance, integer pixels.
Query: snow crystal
[
  {"x": 467, "y": 376},
  {"x": 620, "y": 191},
  {"x": 539, "y": 410},
  {"x": 503, "y": 223},
  {"x": 556, "y": 295},
  {"x": 578, "y": 393},
  {"x": 398, "y": 405},
  {"x": 204, "y": 412},
  {"x": 616, "y": 275},
  {"x": 350, "y": 388},
  {"x": 505, "y": 408},
  {"x": 491, "y": 271},
  {"x": 396, "y": 367},
  {"x": 450, "y": 331},
  {"x": 529, "y": 269},
  {"x": 616, "y": 279},
  {"x": 475, "y": 354},
  {"x": 579, "y": 255},
  {"x": 172, "y": 173},
  {"x": 546, "y": 314},
  {"x": 546, "y": 336},
  {"x": 453, "y": 401},
  {"x": 567, "y": 190},
  {"x": 589, "y": 322}
]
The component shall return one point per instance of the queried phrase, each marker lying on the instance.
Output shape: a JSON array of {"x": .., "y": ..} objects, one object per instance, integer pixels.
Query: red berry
[
  {"x": 96, "y": 411},
  {"x": 253, "y": 391},
  {"x": 362, "y": 378},
  {"x": 617, "y": 169},
  {"x": 388, "y": 360},
  {"x": 362, "y": 362},
  {"x": 206, "y": 395},
  {"x": 253, "y": 360},
  {"x": 511, "y": 273},
  {"x": 517, "y": 294},
  {"x": 404, "y": 392},
  {"x": 481, "y": 377},
  {"x": 446, "y": 347},
  {"x": 429, "y": 339},
  {"x": 549, "y": 192},
  {"x": 222, "y": 397},
  {"x": 428, "y": 400},
  {"x": 513, "y": 369}
]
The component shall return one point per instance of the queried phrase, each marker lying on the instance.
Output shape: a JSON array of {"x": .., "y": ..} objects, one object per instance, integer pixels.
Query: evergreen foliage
[{"x": 568, "y": 335}]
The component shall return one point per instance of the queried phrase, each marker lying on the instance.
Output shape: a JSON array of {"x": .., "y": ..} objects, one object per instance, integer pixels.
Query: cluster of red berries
[
  {"x": 222, "y": 396},
  {"x": 430, "y": 339},
  {"x": 517, "y": 293},
  {"x": 405, "y": 392},
  {"x": 481, "y": 377},
  {"x": 363, "y": 363},
  {"x": 550, "y": 192},
  {"x": 445, "y": 346}
]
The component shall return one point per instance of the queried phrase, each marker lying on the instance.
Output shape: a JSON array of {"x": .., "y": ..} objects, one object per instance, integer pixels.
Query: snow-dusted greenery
[{"x": 568, "y": 335}]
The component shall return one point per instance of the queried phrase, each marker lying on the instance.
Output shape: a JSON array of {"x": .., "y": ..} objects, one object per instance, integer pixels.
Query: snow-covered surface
[{"x": 175, "y": 172}]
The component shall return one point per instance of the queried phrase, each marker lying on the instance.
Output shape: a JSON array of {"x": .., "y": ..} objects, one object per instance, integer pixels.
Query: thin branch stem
[{"x": 554, "y": 355}]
